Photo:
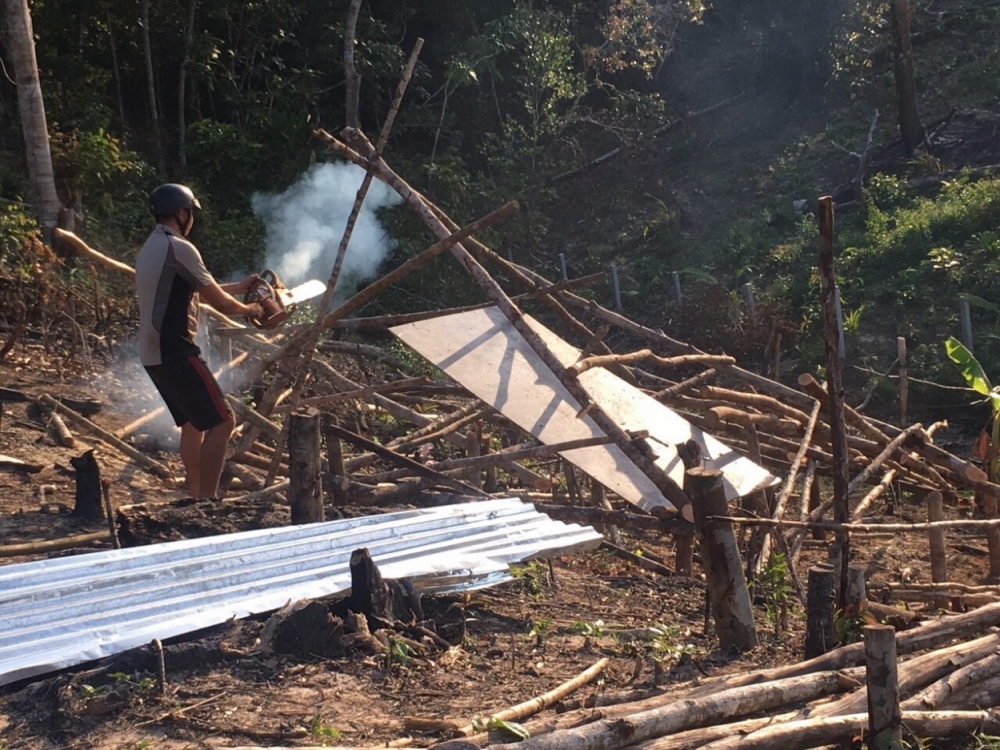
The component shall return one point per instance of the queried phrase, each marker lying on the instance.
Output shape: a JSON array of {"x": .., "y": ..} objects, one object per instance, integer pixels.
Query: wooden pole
[
  {"x": 819, "y": 611},
  {"x": 306, "y": 489},
  {"x": 835, "y": 386},
  {"x": 730, "y": 599},
  {"x": 335, "y": 459},
  {"x": 991, "y": 506},
  {"x": 884, "y": 719},
  {"x": 904, "y": 385},
  {"x": 939, "y": 559}
]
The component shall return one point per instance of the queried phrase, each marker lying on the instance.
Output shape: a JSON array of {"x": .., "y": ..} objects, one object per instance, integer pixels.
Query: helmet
[{"x": 168, "y": 199}]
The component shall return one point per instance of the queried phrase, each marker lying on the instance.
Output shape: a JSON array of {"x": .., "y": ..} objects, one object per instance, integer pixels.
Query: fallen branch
[
  {"x": 142, "y": 459},
  {"x": 607, "y": 360},
  {"x": 53, "y": 545}
]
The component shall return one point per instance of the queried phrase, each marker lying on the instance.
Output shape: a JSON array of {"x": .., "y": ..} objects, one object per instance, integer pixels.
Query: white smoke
[{"x": 306, "y": 223}]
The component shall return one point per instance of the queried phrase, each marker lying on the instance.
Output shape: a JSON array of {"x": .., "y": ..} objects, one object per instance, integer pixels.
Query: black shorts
[{"x": 190, "y": 392}]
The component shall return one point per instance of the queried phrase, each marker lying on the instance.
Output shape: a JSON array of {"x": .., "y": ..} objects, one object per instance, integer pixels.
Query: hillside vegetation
[{"x": 730, "y": 119}]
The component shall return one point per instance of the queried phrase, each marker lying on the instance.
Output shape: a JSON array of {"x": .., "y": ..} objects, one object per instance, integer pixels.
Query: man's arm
[{"x": 227, "y": 304}]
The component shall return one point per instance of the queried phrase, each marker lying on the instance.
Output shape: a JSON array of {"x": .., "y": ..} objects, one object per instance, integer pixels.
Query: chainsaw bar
[{"x": 305, "y": 291}]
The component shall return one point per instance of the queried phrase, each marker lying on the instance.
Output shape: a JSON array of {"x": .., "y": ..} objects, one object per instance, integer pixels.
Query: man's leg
[
  {"x": 213, "y": 455},
  {"x": 191, "y": 444}
]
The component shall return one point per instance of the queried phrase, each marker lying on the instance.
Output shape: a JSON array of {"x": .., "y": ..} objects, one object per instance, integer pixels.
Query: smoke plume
[{"x": 306, "y": 223}]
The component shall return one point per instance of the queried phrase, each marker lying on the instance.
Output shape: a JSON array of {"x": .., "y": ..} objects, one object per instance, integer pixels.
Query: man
[{"x": 168, "y": 273}]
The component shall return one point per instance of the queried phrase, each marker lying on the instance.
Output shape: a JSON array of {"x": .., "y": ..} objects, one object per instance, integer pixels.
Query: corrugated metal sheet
[
  {"x": 61, "y": 612},
  {"x": 485, "y": 353}
]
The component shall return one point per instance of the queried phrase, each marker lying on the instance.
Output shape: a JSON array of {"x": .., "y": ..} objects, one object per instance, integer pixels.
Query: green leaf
[
  {"x": 979, "y": 302},
  {"x": 510, "y": 728},
  {"x": 972, "y": 371}
]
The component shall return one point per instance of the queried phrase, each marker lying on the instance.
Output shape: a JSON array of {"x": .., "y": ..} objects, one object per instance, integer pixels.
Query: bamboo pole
[
  {"x": 541, "y": 702},
  {"x": 499, "y": 458},
  {"x": 835, "y": 387},
  {"x": 904, "y": 385},
  {"x": 53, "y": 545},
  {"x": 606, "y": 360},
  {"x": 686, "y": 385},
  {"x": 883, "y": 528},
  {"x": 419, "y": 468},
  {"x": 874, "y": 494}
]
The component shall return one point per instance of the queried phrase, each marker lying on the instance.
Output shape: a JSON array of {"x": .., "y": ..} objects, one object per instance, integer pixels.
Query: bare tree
[
  {"x": 910, "y": 129},
  {"x": 154, "y": 113},
  {"x": 32, "y": 109},
  {"x": 181, "y": 86}
]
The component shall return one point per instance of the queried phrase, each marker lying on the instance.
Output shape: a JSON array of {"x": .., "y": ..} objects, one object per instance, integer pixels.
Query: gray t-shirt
[{"x": 168, "y": 273}]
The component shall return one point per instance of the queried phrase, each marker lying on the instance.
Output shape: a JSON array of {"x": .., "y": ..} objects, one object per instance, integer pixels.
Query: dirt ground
[{"x": 523, "y": 637}]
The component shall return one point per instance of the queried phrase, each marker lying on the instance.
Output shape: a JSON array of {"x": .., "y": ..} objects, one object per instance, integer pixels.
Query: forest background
[{"x": 725, "y": 121}]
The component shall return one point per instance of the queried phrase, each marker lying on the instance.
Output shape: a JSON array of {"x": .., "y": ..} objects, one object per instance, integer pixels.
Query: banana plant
[{"x": 976, "y": 379}]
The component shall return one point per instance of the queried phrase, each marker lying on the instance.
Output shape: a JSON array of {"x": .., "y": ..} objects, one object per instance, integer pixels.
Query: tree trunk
[
  {"x": 910, "y": 129},
  {"x": 182, "y": 84},
  {"x": 154, "y": 113},
  {"x": 720, "y": 557},
  {"x": 20, "y": 38},
  {"x": 305, "y": 492},
  {"x": 88, "y": 503},
  {"x": 352, "y": 81}
]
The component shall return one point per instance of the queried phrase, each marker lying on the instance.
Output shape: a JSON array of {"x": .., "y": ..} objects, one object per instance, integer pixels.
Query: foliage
[
  {"x": 849, "y": 623},
  {"x": 774, "y": 587},
  {"x": 976, "y": 379},
  {"x": 533, "y": 575}
]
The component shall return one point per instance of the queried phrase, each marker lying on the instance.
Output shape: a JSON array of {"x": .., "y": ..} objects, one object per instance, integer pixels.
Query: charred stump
[
  {"x": 304, "y": 629},
  {"x": 89, "y": 503}
]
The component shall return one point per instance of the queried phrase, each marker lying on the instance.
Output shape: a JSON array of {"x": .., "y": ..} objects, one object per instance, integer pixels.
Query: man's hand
[
  {"x": 242, "y": 286},
  {"x": 255, "y": 311}
]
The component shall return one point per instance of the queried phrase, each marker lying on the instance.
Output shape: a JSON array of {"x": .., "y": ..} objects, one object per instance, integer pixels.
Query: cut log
[
  {"x": 939, "y": 693},
  {"x": 88, "y": 503},
  {"x": 884, "y": 720},
  {"x": 610, "y": 734},
  {"x": 799, "y": 735}
]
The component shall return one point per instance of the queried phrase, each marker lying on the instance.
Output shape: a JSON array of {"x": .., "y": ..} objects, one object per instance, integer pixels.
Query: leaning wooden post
[
  {"x": 884, "y": 716},
  {"x": 904, "y": 384},
  {"x": 306, "y": 488},
  {"x": 835, "y": 386},
  {"x": 727, "y": 586},
  {"x": 939, "y": 560},
  {"x": 819, "y": 611}
]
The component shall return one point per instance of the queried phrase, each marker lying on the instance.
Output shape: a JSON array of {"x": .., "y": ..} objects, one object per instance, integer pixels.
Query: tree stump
[
  {"x": 305, "y": 492},
  {"x": 819, "y": 611},
  {"x": 720, "y": 557},
  {"x": 89, "y": 503},
  {"x": 370, "y": 595}
]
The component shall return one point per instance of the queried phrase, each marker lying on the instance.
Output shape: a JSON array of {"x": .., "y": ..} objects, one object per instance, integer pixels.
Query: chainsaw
[{"x": 276, "y": 300}]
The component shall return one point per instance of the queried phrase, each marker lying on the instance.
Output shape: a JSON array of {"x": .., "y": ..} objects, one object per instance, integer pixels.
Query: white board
[{"x": 481, "y": 350}]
